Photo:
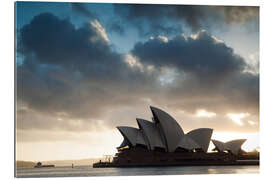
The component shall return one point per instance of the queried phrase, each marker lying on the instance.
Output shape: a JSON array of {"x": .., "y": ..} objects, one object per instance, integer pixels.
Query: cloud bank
[
  {"x": 71, "y": 78},
  {"x": 168, "y": 19}
]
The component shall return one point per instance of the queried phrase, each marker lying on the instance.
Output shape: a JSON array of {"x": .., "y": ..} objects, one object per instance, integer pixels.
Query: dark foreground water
[{"x": 80, "y": 171}]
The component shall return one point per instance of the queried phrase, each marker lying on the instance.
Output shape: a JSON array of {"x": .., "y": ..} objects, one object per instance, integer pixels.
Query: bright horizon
[{"x": 114, "y": 139}]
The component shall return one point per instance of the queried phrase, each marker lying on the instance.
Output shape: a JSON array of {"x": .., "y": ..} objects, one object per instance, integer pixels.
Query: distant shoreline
[
  {"x": 59, "y": 163},
  {"x": 25, "y": 164}
]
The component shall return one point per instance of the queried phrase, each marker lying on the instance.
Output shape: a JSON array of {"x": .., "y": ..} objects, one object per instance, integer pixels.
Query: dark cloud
[
  {"x": 81, "y": 9},
  {"x": 72, "y": 80},
  {"x": 208, "y": 72},
  {"x": 56, "y": 41},
  {"x": 239, "y": 93},
  {"x": 148, "y": 19},
  {"x": 195, "y": 17},
  {"x": 202, "y": 56},
  {"x": 239, "y": 14},
  {"x": 70, "y": 70},
  {"x": 57, "y": 45}
]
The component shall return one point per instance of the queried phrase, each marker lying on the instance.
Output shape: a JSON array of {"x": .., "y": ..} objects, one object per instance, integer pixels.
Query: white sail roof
[
  {"x": 165, "y": 132},
  {"x": 233, "y": 146},
  {"x": 201, "y": 136},
  {"x": 133, "y": 135},
  {"x": 219, "y": 145},
  {"x": 151, "y": 133},
  {"x": 171, "y": 130},
  {"x": 140, "y": 138},
  {"x": 124, "y": 143},
  {"x": 187, "y": 143}
]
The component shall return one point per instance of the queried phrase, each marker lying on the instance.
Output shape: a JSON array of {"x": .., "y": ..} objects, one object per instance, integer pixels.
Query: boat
[{"x": 39, "y": 165}]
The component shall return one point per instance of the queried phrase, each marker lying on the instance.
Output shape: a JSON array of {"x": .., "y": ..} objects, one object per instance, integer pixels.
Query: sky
[{"x": 85, "y": 68}]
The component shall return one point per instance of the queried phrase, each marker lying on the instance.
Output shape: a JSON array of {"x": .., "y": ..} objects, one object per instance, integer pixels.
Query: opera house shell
[
  {"x": 164, "y": 133},
  {"x": 233, "y": 146},
  {"x": 162, "y": 141}
]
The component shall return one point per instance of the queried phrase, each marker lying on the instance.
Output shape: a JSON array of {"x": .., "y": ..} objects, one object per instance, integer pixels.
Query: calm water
[{"x": 89, "y": 171}]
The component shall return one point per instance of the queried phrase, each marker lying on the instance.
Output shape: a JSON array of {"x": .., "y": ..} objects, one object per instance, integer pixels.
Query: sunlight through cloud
[
  {"x": 167, "y": 76},
  {"x": 251, "y": 123},
  {"x": 100, "y": 31},
  {"x": 133, "y": 62},
  {"x": 237, "y": 118},
  {"x": 204, "y": 113}
]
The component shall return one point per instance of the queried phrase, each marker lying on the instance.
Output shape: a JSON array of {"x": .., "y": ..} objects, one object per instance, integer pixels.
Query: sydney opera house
[{"x": 163, "y": 142}]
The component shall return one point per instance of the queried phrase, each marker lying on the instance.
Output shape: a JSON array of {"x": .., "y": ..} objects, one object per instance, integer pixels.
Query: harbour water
[{"x": 83, "y": 171}]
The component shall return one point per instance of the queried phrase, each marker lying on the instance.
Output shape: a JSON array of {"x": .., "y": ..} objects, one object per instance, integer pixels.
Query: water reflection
[{"x": 89, "y": 171}]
